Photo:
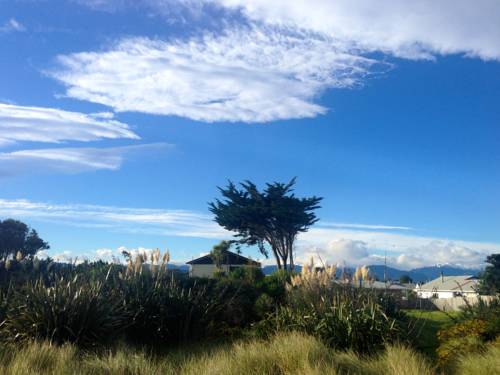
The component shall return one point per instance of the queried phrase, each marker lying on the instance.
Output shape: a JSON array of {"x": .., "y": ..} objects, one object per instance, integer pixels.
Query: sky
[{"x": 119, "y": 119}]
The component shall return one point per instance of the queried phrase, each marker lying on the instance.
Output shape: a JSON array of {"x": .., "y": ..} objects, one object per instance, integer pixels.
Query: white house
[
  {"x": 205, "y": 266},
  {"x": 448, "y": 287}
]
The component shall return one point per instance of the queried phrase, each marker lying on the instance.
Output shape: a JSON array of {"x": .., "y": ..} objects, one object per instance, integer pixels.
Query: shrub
[
  {"x": 343, "y": 317},
  {"x": 476, "y": 326},
  {"x": 67, "y": 311},
  {"x": 162, "y": 311}
]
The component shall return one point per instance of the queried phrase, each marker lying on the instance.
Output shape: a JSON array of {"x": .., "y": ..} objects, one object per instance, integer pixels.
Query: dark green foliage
[
  {"x": 70, "y": 310},
  {"x": 17, "y": 236},
  {"x": 342, "y": 317},
  {"x": 487, "y": 311},
  {"x": 274, "y": 216},
  {"x": 475, "y": 327},
  {"x": 218, "y": 252},
  {"x": 405, "y": 279},
  {"x": 490, "y": 278}
]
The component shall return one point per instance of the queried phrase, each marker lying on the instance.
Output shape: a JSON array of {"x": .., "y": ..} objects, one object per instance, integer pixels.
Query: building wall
[
  {"x": 207, "y": 270},
  {"x": 441, "y": 294},
  {"x": 201, "y": 270}
]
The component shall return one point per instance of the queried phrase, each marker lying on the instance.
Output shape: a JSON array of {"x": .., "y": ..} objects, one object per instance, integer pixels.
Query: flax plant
[{"x": 341, "y": 315}]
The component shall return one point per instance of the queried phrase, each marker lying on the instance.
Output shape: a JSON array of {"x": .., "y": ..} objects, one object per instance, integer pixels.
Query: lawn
[{"x": 426, "y": 326}]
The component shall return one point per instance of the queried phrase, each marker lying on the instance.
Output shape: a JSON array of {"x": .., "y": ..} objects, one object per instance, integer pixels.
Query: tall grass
[
  {"x": 342, "y": 316},
  {"x": 290, "y": 353}
]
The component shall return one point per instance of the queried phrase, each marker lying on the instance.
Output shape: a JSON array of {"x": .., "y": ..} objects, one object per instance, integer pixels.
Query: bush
[
  {"x": 476, "y": 326},
  {"x": 67, "y": 311},
  {"x": 343, "y": 317},
  {"x": 348, "y": 320},
  {"x": 162, "y": 311}
]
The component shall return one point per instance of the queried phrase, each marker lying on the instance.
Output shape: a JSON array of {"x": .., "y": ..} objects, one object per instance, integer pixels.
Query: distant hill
[
  {"x": 178, "y": 267},
  {"x": 422, "y": 274},
  {"x": 430, "y": 273}
]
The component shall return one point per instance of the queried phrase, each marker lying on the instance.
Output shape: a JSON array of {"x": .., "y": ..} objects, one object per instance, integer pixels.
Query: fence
[{"x": 455, "y": 303}]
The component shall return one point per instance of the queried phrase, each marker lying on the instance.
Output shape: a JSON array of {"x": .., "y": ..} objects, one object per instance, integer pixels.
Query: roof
[
  {"x": 230, "y": 258},
  {"x": 451, "y": 283},
  {"x": 378, "y": 285}
]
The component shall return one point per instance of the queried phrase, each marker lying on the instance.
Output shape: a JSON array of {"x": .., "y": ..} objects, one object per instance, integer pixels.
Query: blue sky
[{"x": 119, "y": 119}]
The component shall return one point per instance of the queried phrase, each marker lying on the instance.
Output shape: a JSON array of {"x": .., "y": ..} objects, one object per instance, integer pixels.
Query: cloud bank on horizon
[{"x": 354, "y": 244}]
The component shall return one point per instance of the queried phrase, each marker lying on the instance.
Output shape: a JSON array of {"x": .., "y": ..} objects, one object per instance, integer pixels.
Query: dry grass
[
  {"x": 285, "y": 354},
  {"x": 487, "y": 363}
]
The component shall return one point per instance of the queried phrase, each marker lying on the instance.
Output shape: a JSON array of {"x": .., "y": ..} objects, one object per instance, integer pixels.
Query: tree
[
  {"x": 218, "y": 253},
  {"x": 17, "y": 236},
  {"x": 405, "y": 279},
  {"x": 274, "y": 216},
  {"x": 490, "y": 278}
]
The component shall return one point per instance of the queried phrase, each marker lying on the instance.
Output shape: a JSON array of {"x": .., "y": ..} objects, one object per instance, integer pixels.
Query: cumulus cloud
[
  {"x": 411, "y": 29},
  {"x": 12, "y": 25},
  {"x": 359, "y": 247},
  {"x": 51, "y": 125},
  {"x": 338, "y": 251},
  {"x": 246, "y": 74},
  {"x": 69, "y": 160}
]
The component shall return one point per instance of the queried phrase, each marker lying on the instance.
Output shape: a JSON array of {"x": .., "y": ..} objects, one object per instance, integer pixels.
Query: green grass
[{"x": 425, "y": 329}]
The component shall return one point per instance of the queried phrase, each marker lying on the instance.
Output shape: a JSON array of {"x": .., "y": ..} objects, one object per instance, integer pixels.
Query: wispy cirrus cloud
[
  {"x": 278, "y": 64},
  {"x": 327, "y": 224},
  {"x": 12, "y": 25},
  {"x": 182, "y": 223},
  {"x": 248, "y": 74},
  {"x": 51, "y": 125},
  {"x": 71, "y": 160},
  {"x": 334, "y": 245}
]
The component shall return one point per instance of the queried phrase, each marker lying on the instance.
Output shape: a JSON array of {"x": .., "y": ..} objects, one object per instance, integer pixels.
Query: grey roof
[
  {"x": 377, "y": 285},
  {"x": 228, "y": 258},
  {"x": 451, "y": 284}
]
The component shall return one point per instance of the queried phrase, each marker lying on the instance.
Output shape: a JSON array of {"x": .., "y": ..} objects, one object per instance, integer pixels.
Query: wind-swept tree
[
  {"x": 274, "y": 216},
  {"x": 17, "y": 236}
]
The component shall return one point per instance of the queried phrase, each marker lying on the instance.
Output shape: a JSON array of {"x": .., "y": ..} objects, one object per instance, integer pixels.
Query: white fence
[{"x": 455, "y": 303}]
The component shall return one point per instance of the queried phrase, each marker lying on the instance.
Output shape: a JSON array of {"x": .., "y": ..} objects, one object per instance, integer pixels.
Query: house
[
  {"x": 205, "y": 266},
  {"x": 448, "y": 287}
]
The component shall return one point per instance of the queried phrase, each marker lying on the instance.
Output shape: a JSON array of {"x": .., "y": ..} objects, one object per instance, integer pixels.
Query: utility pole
[{"x": 385, "y": 267}]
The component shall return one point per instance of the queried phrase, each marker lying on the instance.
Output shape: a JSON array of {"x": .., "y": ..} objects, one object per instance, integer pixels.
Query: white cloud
[
  {"x": 155, "y": 221},
  {"x": 12, "y": 25},
  {"x": 358, "y": 247},
  {"x": 413, "y": 29},
  {"x": 327, "y": 224},
  {"x": 104, "y": 253},
  {"x": 69, "y": 160},
  {"x": 248, "y": 74},
  {"x": 37, "y": 124},
  {"x": 278, "y": 66}
]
